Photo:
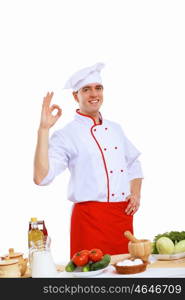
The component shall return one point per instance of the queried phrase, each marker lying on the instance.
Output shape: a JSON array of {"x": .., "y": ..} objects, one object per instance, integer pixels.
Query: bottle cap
[{"x": 33, "y": 220}]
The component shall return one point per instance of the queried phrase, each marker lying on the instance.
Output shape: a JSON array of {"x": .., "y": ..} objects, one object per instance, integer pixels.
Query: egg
[
  {"x": 125, "y": 262},
  {"x": 137, "y": 261},
  {"x": 128, "y": 262}
]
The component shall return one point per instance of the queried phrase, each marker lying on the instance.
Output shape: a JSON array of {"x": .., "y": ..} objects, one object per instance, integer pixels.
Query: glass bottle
[
  {"x": 34, "y": 235},
  {"x": 44, "y": 230},
  {"x": 42, "y": 227}
]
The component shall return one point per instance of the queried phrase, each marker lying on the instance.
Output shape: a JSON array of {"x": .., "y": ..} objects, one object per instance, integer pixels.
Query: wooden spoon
[{"x": 130, "y": 236}]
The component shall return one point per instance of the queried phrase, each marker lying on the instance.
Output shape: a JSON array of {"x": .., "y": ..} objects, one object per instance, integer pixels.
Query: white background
[{"x": 42, "y": 43}]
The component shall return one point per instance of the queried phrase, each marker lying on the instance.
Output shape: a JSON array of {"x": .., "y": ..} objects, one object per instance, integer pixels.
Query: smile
[{"x": 93, "y": 101}]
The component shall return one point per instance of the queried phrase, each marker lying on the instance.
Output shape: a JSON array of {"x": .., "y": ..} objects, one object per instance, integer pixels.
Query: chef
[{"x": 106, "y": 175}]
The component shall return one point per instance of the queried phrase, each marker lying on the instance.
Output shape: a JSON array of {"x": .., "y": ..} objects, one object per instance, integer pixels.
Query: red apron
[{"x": 100, "y": 225}]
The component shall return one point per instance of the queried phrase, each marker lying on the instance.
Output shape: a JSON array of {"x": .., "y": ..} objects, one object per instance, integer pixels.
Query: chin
[{"x": 94, "y": 110}]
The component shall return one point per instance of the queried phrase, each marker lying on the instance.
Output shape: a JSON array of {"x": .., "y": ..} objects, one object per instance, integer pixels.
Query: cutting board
[{"x": 176, "y": 263}]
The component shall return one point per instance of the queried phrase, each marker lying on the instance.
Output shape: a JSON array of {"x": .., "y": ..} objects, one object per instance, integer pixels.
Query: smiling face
[{"x": 89, "y": 98}]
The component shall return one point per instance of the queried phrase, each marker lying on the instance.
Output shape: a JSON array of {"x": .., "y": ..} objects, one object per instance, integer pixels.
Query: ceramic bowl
[
  {"x": 9, "y": 268},
  {"x": 130, "y": 269},
  {"x": 12, "y": 256}
]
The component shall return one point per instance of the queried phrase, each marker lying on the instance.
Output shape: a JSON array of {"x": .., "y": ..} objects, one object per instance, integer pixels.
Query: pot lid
[
  {"x": 8, "y": 262},
  {"x": 12, "y": 254}
]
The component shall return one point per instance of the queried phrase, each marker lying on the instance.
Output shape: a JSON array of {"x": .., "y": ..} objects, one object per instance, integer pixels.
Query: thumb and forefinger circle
[{"x": 56, "y": 107}]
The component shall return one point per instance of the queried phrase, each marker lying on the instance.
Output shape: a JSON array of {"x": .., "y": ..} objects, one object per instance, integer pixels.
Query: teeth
[{"x": 93, "y": 101}]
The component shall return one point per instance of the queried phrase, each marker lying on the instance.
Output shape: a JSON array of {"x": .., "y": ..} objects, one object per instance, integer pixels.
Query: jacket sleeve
[
  {"x": 131, "y": 156},
  {"x": 58, "y": 157}
]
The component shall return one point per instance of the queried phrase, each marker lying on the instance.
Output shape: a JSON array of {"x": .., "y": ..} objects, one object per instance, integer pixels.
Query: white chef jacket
[{"x": 100, "y": 158}]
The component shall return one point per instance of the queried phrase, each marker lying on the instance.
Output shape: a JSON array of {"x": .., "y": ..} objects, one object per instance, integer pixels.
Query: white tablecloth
[{"x": 150, "y": 272}]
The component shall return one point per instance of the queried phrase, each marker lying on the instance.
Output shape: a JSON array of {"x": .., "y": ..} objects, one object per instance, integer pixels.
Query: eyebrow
[{"x": 88, "y": 86}]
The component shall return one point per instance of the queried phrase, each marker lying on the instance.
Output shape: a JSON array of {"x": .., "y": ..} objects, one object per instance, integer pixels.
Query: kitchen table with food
[{"x": 162, "y": 257}]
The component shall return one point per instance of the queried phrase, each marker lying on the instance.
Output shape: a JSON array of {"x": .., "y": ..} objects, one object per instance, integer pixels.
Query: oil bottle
[{"x": 34, "y": 234}]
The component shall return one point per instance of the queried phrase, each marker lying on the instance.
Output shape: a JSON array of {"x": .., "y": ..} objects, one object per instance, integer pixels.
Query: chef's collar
[{"x": 87, "y": 119}]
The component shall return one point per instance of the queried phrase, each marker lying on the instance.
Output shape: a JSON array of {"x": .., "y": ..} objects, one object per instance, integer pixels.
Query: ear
[{"x": 75, "y": 95}]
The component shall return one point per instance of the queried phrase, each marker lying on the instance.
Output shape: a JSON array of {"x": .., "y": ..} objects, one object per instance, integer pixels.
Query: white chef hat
[{"x": 85, "y": 76}]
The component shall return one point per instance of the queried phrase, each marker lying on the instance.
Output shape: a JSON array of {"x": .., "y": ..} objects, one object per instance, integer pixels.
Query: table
[
  {"x": 175, "y": 268},
  {"x": 157, "y": 269}
]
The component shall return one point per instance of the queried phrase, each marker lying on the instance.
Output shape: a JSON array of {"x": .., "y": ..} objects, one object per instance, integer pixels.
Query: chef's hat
[{"x": 85, "y": 76}]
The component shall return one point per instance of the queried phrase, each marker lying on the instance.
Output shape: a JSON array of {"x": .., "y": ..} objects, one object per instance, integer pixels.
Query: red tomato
[
  {"x": 85, "y": 252},
  {"x": 95, "y": 255},
  {"x": 80, "y": 259}
]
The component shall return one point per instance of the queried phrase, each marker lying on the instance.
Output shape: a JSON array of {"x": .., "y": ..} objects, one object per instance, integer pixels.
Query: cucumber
[
  {"x": 70, "y": 267},
  {"x": 102, "y": 263},
  {"x": 86, "y": 268}
]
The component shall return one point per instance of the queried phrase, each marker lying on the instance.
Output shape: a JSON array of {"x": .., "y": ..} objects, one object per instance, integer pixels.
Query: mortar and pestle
[{"x": 138, "y": 248}]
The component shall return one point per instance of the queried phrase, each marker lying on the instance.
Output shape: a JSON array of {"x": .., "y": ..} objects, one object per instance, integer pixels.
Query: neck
[{"x": 95, "y": 115}]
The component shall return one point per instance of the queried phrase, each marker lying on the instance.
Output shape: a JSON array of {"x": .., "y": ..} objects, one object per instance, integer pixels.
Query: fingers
[
  {"x": 47, "y": 99},
  {"x": 59, "y": 110},
  {"x": 132, "y": 206},
  {"x": 130, "y": 209},
  {"x": 46, "y": 105},
  {"x": 55, "y": 106},
  {"x": 134, "y": 211}
]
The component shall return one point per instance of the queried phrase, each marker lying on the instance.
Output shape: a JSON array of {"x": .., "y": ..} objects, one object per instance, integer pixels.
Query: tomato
[
  {"x": 80, "y": 258},
  {"x": 95, "y": 255},
  {"x": 85, "y": 252}
]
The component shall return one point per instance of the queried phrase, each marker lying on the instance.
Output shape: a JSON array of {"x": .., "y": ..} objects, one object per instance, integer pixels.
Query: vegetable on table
[
  {"x": 174, "y": 236},
  {"x": 80, "y": 258},
  {"x": 165, "y": 245},
  {"x": 86, "y": 268},
  {"x": 103, "y": 263},
  {"x": 70, "y": 267},
  {"x": 92, "y": 260},
  {"x": 179, "y": 247},
  {"x": 95, "y": 255},
  {"x": 85, "y": 252}
]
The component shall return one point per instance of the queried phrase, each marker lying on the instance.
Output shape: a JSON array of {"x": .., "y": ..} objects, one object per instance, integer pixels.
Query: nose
[{"x": 93, "y": 93}]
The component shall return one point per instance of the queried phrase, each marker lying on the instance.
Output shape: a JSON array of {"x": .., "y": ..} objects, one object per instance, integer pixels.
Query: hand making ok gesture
[{"x": 47, "y": 118}]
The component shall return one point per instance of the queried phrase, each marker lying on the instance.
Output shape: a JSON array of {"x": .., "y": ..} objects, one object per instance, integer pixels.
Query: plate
[
  {"x": 86, "y": 274},
  {"x": 169, "y": 257}
]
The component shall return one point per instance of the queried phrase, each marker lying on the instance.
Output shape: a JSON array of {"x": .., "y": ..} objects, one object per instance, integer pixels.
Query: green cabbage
[
  {"x": 165, "y": 245},
  {"x": 180, "y": 247},
  {"x": 175, "y": 236}
]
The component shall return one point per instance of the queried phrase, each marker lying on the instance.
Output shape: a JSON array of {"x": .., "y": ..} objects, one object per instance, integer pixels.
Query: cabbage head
[
  {"x": 180, "y": 247},
  {"x": 165, "y": 245}
]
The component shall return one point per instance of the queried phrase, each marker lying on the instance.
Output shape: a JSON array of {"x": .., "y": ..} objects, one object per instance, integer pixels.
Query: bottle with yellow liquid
[{"x": 35, "y": 236}]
